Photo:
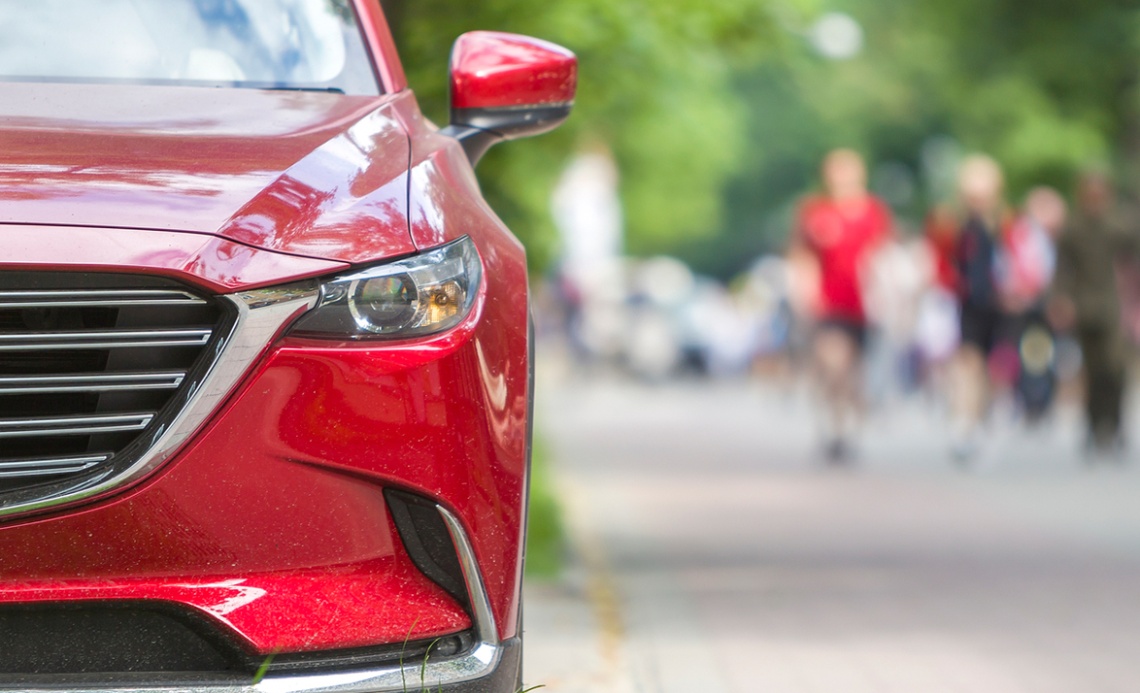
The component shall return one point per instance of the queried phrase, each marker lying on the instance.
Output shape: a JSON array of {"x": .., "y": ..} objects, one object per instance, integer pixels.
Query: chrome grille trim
[
  {"x": 102, "y": 382},
  {"x": 104, "y": 339},
  {"x": 13, "y": 469},
  {"x": 74, "y": 425},
  {"x": 261, "y": 315},
  {"x": 97, "y": 298}
]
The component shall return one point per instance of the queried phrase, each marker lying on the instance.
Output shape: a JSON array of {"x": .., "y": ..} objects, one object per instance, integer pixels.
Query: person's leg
[
  {"x": 1114, "y": 405},
  {"x": 1104, "y": 386},
  {"x": 969, "y": 391},
  {"x": 1117, "y": 372},
  {"x": 969, "y": 386},
  {"x": 836, "y": 356}
]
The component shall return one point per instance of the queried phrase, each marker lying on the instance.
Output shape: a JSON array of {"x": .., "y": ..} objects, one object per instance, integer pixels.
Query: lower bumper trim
[{"x": 487, "y": 669}]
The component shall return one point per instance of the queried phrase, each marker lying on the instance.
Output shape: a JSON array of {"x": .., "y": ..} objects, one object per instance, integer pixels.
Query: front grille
[{"x": 92, "y": 368}]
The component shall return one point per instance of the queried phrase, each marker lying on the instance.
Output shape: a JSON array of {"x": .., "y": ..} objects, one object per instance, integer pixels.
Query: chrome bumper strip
[{"x": 415, "y": 676}]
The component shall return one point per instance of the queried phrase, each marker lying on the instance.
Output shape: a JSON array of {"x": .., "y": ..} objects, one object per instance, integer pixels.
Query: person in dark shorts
[
  {"x": 835, "y": 235},
  {"x": 855, "y": 330},
  {"x": 980, "y": 326},
  {"x": 980, "y": 185}
]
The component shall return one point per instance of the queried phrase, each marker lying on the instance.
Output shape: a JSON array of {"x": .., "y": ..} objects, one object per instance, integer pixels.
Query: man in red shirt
[{"x": 835, "y": 235}]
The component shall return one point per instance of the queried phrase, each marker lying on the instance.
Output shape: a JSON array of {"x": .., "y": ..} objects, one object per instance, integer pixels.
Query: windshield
[{"x": 277, "y": 44}]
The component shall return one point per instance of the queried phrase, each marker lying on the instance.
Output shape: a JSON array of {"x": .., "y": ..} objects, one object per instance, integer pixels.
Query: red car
[{"x": 264, "y": 358}]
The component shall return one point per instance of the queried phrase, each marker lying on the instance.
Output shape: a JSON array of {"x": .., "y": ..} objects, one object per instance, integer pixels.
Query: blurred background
[{"x": 703, "y": 518}]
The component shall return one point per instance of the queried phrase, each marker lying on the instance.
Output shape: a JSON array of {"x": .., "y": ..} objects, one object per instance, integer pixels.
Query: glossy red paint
[
  {"x": 357, "y": 605},
  {"x": 491, "y": 69},
  {"x": 345, "y": 200},
  {"x": 378, "y": 36},
  {"x": 313, "y": 174},
  {"x": 288, "y": 556},
  {"x": 444, "y": 204},
  {"x": 216, "y": 264},
  {"x": 446, "y": 418}
]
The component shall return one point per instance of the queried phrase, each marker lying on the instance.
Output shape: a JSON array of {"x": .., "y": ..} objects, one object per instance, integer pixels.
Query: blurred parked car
[{"x": 264, "y": 356}]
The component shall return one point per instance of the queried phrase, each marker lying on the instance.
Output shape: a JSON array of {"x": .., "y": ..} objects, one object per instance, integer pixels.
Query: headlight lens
[{"x": 417, "y": 296}]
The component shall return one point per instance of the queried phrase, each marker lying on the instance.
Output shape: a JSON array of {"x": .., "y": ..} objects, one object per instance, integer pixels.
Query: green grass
[{"x": 545, "y": 541}]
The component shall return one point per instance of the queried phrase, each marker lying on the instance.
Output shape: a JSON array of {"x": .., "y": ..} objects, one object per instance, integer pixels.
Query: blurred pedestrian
[
  {"x": 900, "y": 273},
  {"x": 1099, "y": 237},
  {"x": 936, "y": 327},
  {"x": 836, "y": 234},
  {"x": 588, "y": 216},
  {"x": 1027, "y": 259},
  {"x": 940, "y": 229},
  {"x": 980, "y": 186}
]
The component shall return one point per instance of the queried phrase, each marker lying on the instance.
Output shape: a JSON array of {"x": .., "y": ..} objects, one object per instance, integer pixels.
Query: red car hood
[{"x": 314, "y": 174}]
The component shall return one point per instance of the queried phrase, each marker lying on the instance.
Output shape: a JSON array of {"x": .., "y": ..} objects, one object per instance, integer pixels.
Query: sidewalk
[
  {"x": 575, "y": 632},
  {"x": 712, "y": 552}
]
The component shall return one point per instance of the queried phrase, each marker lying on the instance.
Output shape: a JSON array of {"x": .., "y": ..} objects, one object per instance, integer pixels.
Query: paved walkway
[{"x": 712, "y": 552}]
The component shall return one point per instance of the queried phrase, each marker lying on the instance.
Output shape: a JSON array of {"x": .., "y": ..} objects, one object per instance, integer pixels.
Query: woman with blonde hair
[{"x": 980, "y": 187}]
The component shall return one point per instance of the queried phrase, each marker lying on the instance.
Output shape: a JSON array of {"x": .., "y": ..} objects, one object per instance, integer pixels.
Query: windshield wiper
[{"x": 327, "y": 90}]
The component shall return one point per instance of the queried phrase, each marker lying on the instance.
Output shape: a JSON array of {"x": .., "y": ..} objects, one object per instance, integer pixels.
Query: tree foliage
[
  {"x": 718, "y": 112},
  {"x": 1045, "y": 86},
  {"x": 655, "y": 87}
]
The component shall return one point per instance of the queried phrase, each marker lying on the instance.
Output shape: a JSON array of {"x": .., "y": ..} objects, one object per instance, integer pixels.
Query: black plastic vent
[
  {"x": 428, "y": 542},
  {"x": 88, "y": 639},
  {"x": 92, "y": 368}
]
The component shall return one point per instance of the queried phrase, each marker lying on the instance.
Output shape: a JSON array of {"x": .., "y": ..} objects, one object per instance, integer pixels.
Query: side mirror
[{"x": 507, "y": 86}]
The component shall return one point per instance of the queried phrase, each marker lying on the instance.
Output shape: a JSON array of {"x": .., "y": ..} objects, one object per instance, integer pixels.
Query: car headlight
[{"x": 417, "y": 296}]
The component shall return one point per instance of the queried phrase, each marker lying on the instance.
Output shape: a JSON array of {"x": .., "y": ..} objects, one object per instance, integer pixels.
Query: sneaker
[
  {"x": 837, "y": 452},
  {"x": 964, "y": 449}
]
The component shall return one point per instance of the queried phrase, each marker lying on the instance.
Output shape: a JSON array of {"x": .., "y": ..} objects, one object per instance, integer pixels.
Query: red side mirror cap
[
  {"x": 491, "y": 69},
  {"x": 507, "y": 86}
]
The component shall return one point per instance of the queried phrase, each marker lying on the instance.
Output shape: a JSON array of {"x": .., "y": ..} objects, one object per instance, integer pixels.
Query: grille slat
[
  {"x": 74, "y": 425},
  {"x": 95, "y": 299},
  {"x": 92, "y": 367},
  {"x": 91, "y": 383},
  {"x": 16, "y": 469},
  {"x": 104, "y": 339}
]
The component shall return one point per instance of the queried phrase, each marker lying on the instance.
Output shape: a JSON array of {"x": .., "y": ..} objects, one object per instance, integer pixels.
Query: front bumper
[{"x": 489, "y": 666}]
